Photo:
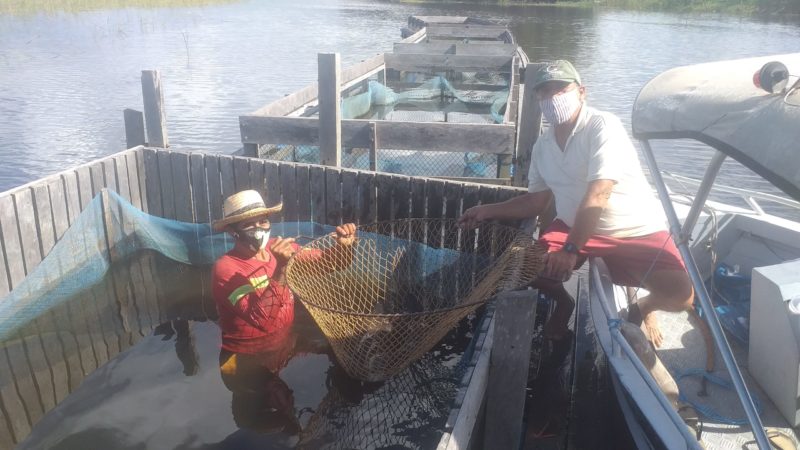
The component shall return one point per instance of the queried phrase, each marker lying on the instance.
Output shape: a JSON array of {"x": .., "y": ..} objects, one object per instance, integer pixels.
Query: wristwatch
[{"x": 570, "y": 248}]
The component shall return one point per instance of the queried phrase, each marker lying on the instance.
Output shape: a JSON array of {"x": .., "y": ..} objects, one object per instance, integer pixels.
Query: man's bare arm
[
  {"x": 589, "y": 211},
  {"x": 520, "y": 207}
]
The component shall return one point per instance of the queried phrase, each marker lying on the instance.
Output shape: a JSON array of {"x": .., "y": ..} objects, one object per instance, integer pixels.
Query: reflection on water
[
  {"x": 30, "y": 7},
  {"x": 135, "y": 363},
  {"x": 65, "y": 78}
]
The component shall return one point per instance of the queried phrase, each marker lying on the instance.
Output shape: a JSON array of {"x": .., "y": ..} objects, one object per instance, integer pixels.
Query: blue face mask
[
  {"x": 255, "y": 238},
  {"x": 561, "y": 107}
]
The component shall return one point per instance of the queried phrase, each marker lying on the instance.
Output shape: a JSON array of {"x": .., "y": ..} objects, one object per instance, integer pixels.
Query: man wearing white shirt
[{"x": 604, "y": 205}]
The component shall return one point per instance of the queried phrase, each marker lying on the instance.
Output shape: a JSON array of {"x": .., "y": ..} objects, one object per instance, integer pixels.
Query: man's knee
[{"x": 674, "y": 288}]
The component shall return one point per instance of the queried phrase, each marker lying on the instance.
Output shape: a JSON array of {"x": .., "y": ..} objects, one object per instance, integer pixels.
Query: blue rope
[{"x": 706, "y": 410}]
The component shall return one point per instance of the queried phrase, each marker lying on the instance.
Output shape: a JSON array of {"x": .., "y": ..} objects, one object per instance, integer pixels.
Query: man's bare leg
[
  {"x": 557, "y": 325},
  {"x": 670, "y": 290}
]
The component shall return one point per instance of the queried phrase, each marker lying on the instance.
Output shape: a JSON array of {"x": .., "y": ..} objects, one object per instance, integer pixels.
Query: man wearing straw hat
[
  {"x": 604, "y": 204},
  {"x": 256, "y": 308}
]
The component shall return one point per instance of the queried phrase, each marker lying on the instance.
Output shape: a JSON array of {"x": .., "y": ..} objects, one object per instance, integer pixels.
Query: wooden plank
[
  {"x": 152, "y": 183},
  {"x": 289, "y": 103},
  {"x": 383, "y": 186},
  {"x": 317, "y": 176},
  {"x": 200, "y": 206},
  {"x": 72, "y": 193},
  {"x": 303, "y": 188},
  {"x": 214, "y": 186},
  {"x": 132, "y": 165},
  {"x": 24, "y": 379},
  {"x": 530, "y": 126},
  {"x": 13, "y": 409},
  {"x": 418, "y": 204},
  {"x": 12, "y": 246},
  {"x": 57, "y": 320},
  {"x": 142, "y": 179},
  {"x": 241, "y": 174},
  {"x": 508, "y": 370},
  {"x": 273, "y": 175},
  {"x": 55, "y": 356},
  {"x": 40, "y": 369},
  {"x": 439, "y": 63},
  {"x": 258, "y": 177},
  {"x": 123, "y": 184},
  {"x": 356, "y": 73},
  {"x": 457, "y": 48},
  {"x": 477, "y": 180},
  {"x": 44, "y": 217},
  {"x": 85, "y": 343},
  {"x": 366, "y": 198},
  {"x": 349, "y": 196},
  {"x": 110, "y": 174},
  {"x": 373, "y": 146},
  {"x": 465, "y": 31},
  {"x": 434, "y": 191},
  {"x": 356, "y": 133},
  {"x": 134, "y": 127},
  {"x": 84, "y": 186},
  {"x": 288, "y": 189},
  {"x": 26, "y": 221},
  {"x": 226, "y": 175},
  {"x": 330, "y": 112},
  {"x": 452, "y": 210},
  {"x": 98, "y": 177},
  {"x": 469, "y": 196},
  {"x": 333, "y": 196},
  {"x": 181, "y": 187},
  {"x": 165, "y": 181},
  {"x": 154, "y": 114}
]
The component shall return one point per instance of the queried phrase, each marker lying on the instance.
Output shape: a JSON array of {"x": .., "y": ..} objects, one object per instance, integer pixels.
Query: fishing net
[{"x": 404, "y": 284}]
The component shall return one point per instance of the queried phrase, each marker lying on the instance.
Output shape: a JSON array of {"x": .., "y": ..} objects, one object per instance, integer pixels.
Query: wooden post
[
  {"x": 373, "y": 147},
  {"x": 330, "y": 115},
  {"x": 154, "y": 115},
  {"x": 508, "y": 369},
  {"x": 504, "y": 162},
  {"x": 134, "y": 128},
  {"x": 530, "y": 125}
]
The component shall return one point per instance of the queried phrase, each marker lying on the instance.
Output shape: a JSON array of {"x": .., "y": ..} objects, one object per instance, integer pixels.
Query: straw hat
[{"x": 242, "y": 206}]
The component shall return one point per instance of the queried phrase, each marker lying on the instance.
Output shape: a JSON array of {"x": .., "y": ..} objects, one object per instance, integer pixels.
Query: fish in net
[{"x": 405, "y": 284}]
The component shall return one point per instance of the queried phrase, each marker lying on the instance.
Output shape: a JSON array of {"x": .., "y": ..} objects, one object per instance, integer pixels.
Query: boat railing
[
  {"x": 750, "y": 196},
  {"x": 619, "y": 343}
]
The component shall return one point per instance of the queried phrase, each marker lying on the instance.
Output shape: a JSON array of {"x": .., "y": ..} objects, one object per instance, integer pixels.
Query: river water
[{"x": 65, "y": 77}]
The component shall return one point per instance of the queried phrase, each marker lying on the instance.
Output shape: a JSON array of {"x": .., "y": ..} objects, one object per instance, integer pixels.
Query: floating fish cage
[{"x": 107, "y": 321}]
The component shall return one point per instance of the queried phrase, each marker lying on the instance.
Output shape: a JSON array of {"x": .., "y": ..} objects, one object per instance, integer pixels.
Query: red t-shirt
[{"x": 255, "y": 313}]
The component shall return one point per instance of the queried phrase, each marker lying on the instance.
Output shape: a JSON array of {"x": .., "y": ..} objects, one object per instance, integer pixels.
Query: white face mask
[
  {"x": 561, "y": 107},
  {"x": 255, "y": 238}
]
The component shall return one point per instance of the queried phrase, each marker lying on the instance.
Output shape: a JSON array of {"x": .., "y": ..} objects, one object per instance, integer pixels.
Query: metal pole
[
  {"x": 702, "y": 194},
  {"x": 705, "y": 302}
]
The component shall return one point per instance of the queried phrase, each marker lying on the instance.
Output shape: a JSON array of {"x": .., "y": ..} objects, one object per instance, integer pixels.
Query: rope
[{"x": 707, "y": 410}]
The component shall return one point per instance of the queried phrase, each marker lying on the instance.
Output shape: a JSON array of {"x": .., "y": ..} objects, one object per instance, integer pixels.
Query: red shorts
[{"x": 628, "y": 259}]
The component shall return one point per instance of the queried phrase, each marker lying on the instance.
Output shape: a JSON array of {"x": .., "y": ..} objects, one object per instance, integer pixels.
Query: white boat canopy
[{"x": 720, "y": 105}]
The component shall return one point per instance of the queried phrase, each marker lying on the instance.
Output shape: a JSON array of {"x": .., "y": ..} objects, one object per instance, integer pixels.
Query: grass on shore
[{"x": 29, "y": 7}]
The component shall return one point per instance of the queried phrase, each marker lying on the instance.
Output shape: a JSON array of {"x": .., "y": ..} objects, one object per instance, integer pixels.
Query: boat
[{"x": 745, "y": 393}]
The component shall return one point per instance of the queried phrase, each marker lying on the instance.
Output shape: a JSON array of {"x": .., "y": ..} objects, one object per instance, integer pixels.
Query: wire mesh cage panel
[{"x": 384, "y": 301}]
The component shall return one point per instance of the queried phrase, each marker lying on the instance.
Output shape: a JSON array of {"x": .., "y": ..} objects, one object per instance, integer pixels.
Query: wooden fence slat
[
  {"x": 470, "y": 198},
  {"x": 214, "y": 185},
  {"x": 141, "y": 178},
  {"x": 110, "y": 175},
  {"x": 84, "y": 179},
  {"x": 227, "y": 176},
  {"x": 44, "y": 217},
  {"x": 199, "y": 188},
  {"x": 40, "y": 370},
  {"x": 333, "y": 196},
  {"x": 181, "y": 187},
  {"x": 72, "y": 193},
  {"x": 452, "y": 210},
  {"x": 123, "y": 184},
  {"x": 349, "y": 196},
  {"x": 5, "y": 285},
  {"x": 57, "y": 320},
  {"x": 272, "y": 173},
  {"x": 132, "y": 165},
  {"x": 55, "y": 357},
  {"x": 383, "y": 183},
  {"x": 26, "y": 220},
  {"x": 77, "y": 320},
  {"x": 241, "y": 174},
  {"x": 434, "y": 191},
  {"x": 94, "y": 321},
  {"x": 23, "y": 377},
  {"x": 152, "y": 183},
  {"x": 303, "y": 183},
  {"x": 366, "y": 198},
  {"x": 11, "y": 241},
  {"x": 401, "y": 197},
  {"x": 12, "y": 401},
  {"x": 288, "y": 189},
  {"x": 317, "y": 177},
  {"x": 258, "y": 177},
  {"x": 97, "y": 175},
  {"x": 165, "y": 179},
  {"x": 58, "y": 206},
  {"x": 418, "y": 204}
]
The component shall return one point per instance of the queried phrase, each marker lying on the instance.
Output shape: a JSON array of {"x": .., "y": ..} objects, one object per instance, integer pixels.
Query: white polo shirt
[{"x": 598, "y": 148}]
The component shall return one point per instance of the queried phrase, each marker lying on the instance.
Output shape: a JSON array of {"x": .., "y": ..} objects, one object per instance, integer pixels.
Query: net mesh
[{"x": 405, "y": 284}]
